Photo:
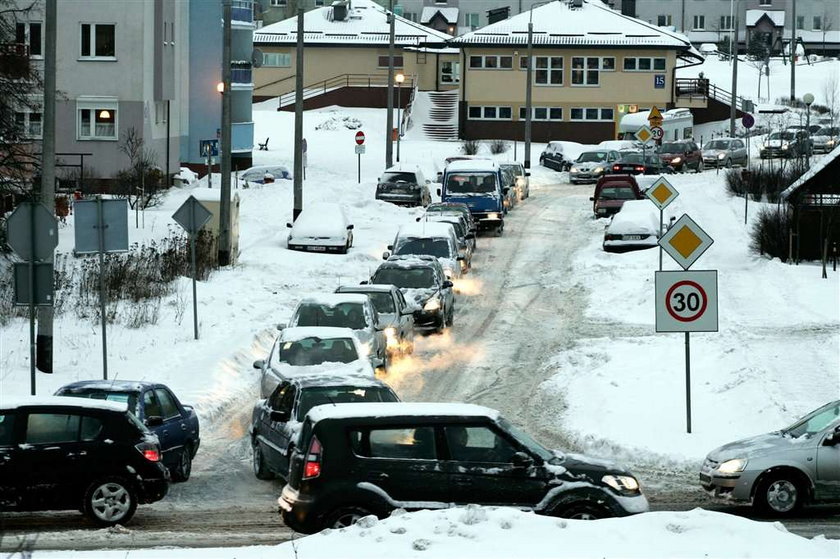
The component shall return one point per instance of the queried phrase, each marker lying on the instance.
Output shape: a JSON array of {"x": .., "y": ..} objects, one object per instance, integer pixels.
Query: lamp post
[
  {"x": 808, "y": 98},
  {"x": 389, "y": 119},
  {"x": 529, "y": 81},
  {"x": 400, "y": 78}
]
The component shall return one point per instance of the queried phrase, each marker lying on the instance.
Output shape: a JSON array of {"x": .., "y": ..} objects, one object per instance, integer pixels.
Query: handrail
[
  {"x": 701, "y": 88},
  {"x": 335, "y": 82}
]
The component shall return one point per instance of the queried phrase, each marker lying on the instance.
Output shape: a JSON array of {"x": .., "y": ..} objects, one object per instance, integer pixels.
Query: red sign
[
  {"x": 360, "y": 137},
  {"x": 686, "y": 301}
]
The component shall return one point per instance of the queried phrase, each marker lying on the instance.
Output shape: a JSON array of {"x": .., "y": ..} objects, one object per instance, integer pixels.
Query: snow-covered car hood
[
  {"x": 775, "y": 143},
  {"x": 419, "y": 296},
  {"x": 586, "y": 167},
  {"x": 759, "y": 445},
  {"x": 354, "y": 368}
]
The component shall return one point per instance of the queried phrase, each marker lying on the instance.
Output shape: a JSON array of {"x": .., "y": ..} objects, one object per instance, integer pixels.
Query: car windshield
[
  {"x": 672, "y": 148},
  {"x": 617, "y": 193},
  {"x": 315, "y": 396},
  {"x": 124, "y": 397},
  {"x": 717, "y": 144},
  {"x": 527, "y": 440},
  {"x": 343, "y": 315},
  {"x": 406, "y": 278},
  {"x": 471, "y": 183},
  {"x": 591, "y": 156},
  {"x": 636, "y": 158},
  {"x": 828, "y": 131},
  {"x": 433, "y": 247},
  {"x": 815, "y": 421},
  {"x": 382, "y": 302},
  {"x": 401, "y": 176},
  {"x": 314, "y": 351},
  {"x": 781, "y": 135}
]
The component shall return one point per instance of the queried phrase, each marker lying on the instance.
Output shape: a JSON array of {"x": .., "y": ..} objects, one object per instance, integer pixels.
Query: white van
[{"x": 677, "y": 124}]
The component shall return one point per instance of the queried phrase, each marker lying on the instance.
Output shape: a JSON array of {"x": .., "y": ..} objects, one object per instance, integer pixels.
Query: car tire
[
  {"x": 183, "y": 469},
  {"x": 343, "y": 517},
  {"x": 780, "y": 494},
  {"x": 450, "y": 317},
  {"x": 261, "y": 470},
  {"x": 110, "y": 501},
  {"x": 584, "y": 510}
]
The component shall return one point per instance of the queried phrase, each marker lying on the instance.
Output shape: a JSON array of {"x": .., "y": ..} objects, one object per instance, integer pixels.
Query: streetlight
[
  {"x": 808, "y": 98},
  {"x": 529, "y": 84},
  {"x": 400, "y": 78}
]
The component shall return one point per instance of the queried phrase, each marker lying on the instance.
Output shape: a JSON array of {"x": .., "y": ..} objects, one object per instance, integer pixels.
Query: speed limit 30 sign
[{"x": 686, "y": 301}]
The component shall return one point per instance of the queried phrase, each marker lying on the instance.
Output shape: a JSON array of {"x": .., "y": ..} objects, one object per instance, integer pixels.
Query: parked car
[
  {"x": 635, "y": 227},
  {"x": 78, "y": 454},
  {"x": 457, "y": 207},
  {"x": 351, "y": 310},
  {"x": 554, "y": 157},
  {"x": 639, "y": 163},
  {"x": 511, "y": 197},
  {"x": 424, "y": 285},
  {"x": 321, "y": 227},
  {"x": 465, "y": 237},
  {"x": 404, "y": 184},
  {"x": 592, "y": 165},
  {"x": 682, "y": 155},
  {"x": 276, "y": 420},
  {"x": 258, "y": 173},
  {"x": 355, "y": 460},
  {"x": 395, "y": 315},
  {"x": 522, "y": 182},
  {"x": 781, "y": 471},
  {"x": 432, "y": 239},
  {"x": 311, "y": 351},
  {"x": 725, "y": 152},
  {"x": 789, "y": 143},
  {"x": 612, "y": 191},
  {"x": 825, "y": 139},
  {"x": 175, "y": 424},
  {"x": 480, "y": 185}
]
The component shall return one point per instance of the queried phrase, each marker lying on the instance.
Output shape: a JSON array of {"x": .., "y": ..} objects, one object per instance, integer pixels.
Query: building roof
[
  {"x": 449, "y": 15},
  {"x": 821, "y": 178},
  {"x": 558, "y": 24},
  {"x": 776, "y": 16},
  {"x": 366, "y": 24}
]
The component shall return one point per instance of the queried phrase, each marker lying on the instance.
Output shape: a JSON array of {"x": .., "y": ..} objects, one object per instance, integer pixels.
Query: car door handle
[
  {"x": 380, "y": 476},
  {"x": 76, "y": 454},
  {"x": 5, "y": 457}
]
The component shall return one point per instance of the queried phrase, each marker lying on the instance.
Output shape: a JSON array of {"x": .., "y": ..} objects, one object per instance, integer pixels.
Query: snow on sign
[
  {"x": 360, "y": 137},
  {"x": 685, "y": 241},
  {"x": 661, "y": 193},
  {"x": 686, "y": 301}
]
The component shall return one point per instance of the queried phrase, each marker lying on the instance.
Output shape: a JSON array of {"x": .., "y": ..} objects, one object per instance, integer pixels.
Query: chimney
[
  {"x": 339, "y": 11},
  {"x": 498, "y": 14},
  {"x": 575, "y": 4}
]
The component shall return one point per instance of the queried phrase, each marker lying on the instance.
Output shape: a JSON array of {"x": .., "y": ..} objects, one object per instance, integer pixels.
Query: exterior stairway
[{"x": 434, "y": 115}]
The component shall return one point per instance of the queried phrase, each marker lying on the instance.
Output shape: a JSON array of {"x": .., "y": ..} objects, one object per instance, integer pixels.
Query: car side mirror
[
  {"x": 154, "y": 421},
  {"x": 279, "y": 415},
  {"x": 521, "y": 461},
  {"x": 527, "y": 173},
  {"x": 281, "y": 326},
  {"x": 447, "y": 284},
  {"x": 390, "y": 247},
  {"x": 289, "y": 225},
  {"x": 350, "y": 227},
  {"x": 505, "y": 190},
  {"x": 259, "y": 363},
  {"x": 364, "y": 282},
  {"x": 469, "y": 236},
  {"x": 832, "y": 439}
]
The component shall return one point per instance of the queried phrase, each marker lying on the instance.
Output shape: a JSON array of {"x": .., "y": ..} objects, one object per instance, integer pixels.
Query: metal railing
[
  {"x": 336, "y": 82},
  {"x": 701, "y": 89},
  {"x": 242, "y": 10},
  {"x": 240, "y": 72}
]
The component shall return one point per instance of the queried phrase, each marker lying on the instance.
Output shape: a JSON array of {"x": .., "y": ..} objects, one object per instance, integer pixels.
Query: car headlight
[
  {"x": 831, "y": 142},
  {"x": 785, "y": 145},
  {"x": 721, "y": 155},
  {"x": 676, "y": 160},
  {"x": 597, "y": 170},
  {"x": 432, "y": 304},
  {"x": 732, "y": 466},
  {"x": 493, "y": 216},
  {"x": 625, "y": 484},
  {"x": 573, "y": 170}
]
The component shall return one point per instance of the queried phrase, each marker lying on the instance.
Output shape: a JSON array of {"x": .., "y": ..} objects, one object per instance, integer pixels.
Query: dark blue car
[{"x": 175, "y": 424}]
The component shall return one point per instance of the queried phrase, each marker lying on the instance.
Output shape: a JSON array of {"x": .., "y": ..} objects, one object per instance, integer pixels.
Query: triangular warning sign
[{"x": 655, "y": 114}]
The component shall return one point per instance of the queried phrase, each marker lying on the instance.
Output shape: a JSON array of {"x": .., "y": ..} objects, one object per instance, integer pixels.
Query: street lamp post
[
  {"x": 400, "y": 78},
  {"x": 389, "y": 119},
  {"x": 529, "y": 81},
  {"x": 808, "y": 98}
]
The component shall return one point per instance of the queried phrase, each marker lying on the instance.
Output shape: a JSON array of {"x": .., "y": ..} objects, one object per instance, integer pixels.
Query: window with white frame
[
  {"x": 98, "y": 40},
  {"x": 277, "y": 59},
  {"x": 29, "y": 123},
  {"x": 471, "y": 20},
  {"x": 592, "y": 114},
  {"x": 699, "y": 23},
  {"x": 548, "y": 70},
  {"x": 277, "y": 3},
  {"x": 491, "y": 62},
  {"x": 410, "y": 16},
  {"x": 382, "y": 61},
  {"x": 542, "y": 113},
  {"x": 644, "y": 64},
  {"x": 29, "y": 34},
  {"x": 97, "y": 120},
  {"x": 765, "y": 2},
  {"x": 817, "y": 23},
  {"x": 450, "y": 72},
  {"x": 161, "y": 110},
  {"x": 489, "y": 113},
  {"x": 726, "y": 23},
  {"x": 663, "y": 20},
  {"x": 586, "y": 70}
]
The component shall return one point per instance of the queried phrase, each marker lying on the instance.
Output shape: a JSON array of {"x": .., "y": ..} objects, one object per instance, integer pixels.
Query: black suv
[
  {"x": 354, "y": 460},
  {"x": 60, "y": 453},
  {"x": 275, "y": 421}
]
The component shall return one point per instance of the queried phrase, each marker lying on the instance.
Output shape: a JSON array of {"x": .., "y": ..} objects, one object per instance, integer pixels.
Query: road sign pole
[
  {"x": 209, "y": 169},
  {"x": 100, "y": 226},
  {"x": 688, "y": 382},
  {"x": 360, "y": 168},
  {"x": 193, "y": 270},
  {"x": 661, "y": 217},
  {"x": 32, "y": 344}
]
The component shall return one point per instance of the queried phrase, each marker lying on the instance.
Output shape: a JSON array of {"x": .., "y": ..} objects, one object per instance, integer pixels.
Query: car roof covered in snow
[
  {"x": 367, "y": 288},
  {"x": 635, "y": 214},
  {"x": 64, "y": 401},
  {"x": 403, "y": 168},
  {"x": 426, "y": 230},
  {"x": 294, "y": 333},
  {"x": 111, "y": 385},
  {"x": 337, "y": 379},
  {"x": 400, "y": 409},
  {"x": 333, "y": 299},
  {"x": 411, "y": 261},
  {"x": 472, "y": 165}
]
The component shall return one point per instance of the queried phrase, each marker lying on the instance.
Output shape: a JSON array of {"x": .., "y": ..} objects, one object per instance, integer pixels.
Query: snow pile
[{"x": 340, "y": 123}]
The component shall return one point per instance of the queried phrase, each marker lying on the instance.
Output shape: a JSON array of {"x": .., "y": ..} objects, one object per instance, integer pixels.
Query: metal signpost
[
  {"x": 661, "y": 193},
  {"x": 686, "y": 301},
  {"x": 748, "y": 121},
  {"x": 360, "y": 149},
  {"x": 209, "y": 149},
  {"x": 101, "y": 227},
  {"x": 644, "y": 135},
  {"x": 192, "y": 216},
  {"x": 32, "y": 233},
  {"x": 303, "y": 148}
]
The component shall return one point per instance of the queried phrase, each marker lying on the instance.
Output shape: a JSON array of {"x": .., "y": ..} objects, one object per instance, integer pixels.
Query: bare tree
[
  {"x": 831, "y": 96},
  {"x": 140, "y": 181}
]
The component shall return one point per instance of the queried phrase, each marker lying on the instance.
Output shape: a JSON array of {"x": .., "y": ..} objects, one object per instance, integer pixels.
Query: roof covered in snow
[
  {"x": 449, "y": 15},
  {"x": 593, "y": 24},
  {"x": 776, "y": 16},
  {"x": 426, "y": 229},
  {"x": 366, "y": 24},
  {"x": 472, "y": 165},
  {"x": 324, "y": 332},
  {"x": 86, "y": 403},
  {"x": 820, "y": 178},
  {"x": 333, "y": 299},
  {"x": 400, "y": 409}
]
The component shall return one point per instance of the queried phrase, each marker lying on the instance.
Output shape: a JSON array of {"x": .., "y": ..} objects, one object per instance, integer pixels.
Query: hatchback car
[
  {"x": 682, "y": 155},
  {"x": 612, "y": 191},
  {"x": 261, "y": 172},
  {"x": 429, "y": 239},
  {"x": 395, "y": 315},
  {"x": 276, "y": 421},
  {"x": 78, "y": 454},
  {"x": 781, "y": 471},
  {"x": 321, "y": 227},
  {"x": 404, "y": 185},
  {"x": 639, "y": 163},
  {"x": 554, "y": 157},
  {"x": 825, "y": 139},
  {"x": 465, "y": 237},
  {"x": 175, "y": 424},
  {"x": 354, "y": 460},
  {"x": 592, "y": 165},
  {"x": 725, "y": 152},
  {"x": 522, "y": 181},
  {"x": 788, "y": 143},
  {"x": 635, "y": 227}
]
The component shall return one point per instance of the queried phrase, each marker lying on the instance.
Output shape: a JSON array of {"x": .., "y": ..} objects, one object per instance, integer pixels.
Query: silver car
[
  {"x": 825, "y": 139},
  {"x": 783, "y": 470},
  {"x": 725, "y": 152}
]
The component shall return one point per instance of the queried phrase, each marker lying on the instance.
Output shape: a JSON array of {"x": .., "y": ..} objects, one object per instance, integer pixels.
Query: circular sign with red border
[
  {"x": 360, "y": 137},
  {"x": 686, "y": 301},
  {"x": 657, "y": 132}
]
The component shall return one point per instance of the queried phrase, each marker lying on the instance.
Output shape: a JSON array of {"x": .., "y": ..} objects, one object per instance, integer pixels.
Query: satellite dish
[{"x": 257, "y": 58}]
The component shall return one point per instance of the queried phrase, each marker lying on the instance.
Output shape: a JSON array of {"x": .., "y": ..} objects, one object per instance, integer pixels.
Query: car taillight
[
  {"x": 312, "y": 466},
  {"x": 616, "y": 168},
  {"x": 640, "y": 168},
  {"x": 149, "y": 451}
]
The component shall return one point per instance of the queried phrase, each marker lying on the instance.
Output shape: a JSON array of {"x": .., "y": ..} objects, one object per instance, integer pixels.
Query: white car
[
  {"x": 260, "y": 173},
  {"x": 321, "y": 227},
  {"x": 436, "y": 239},
  {"x": 635, "y": 227},
  {"x": 312, "y": 351}
]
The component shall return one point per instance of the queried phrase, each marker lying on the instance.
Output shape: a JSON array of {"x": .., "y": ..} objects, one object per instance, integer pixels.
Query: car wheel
[
  {"x": 780, "y": 494},
  {"x": 450, "y": 317},
  {"x": 183, "y": 469},
  {"x": 343, "y": 517},
  {"x": 110, "y": 501},
  {"x": 260, "y": 467},
  {"x": 585, "y": 510}
]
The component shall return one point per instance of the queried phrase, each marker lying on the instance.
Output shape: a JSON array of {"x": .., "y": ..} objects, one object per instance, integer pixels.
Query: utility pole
[
  {"x": 44, "y": 340},
  {"x": 793, "y": 51},
  {"x": 224, "y": 206},
  {"x": 734, "y": 99},
  {"x": 528, "y": 87},
  {"x": 389, "y": 142},
  {"x": 298, "y": 172}
]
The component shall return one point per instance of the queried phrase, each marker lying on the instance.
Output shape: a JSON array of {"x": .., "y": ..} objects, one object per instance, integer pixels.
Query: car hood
[
  {"x": 758, "y": 445},
  {"x": 583, "y": 465},
  {"x": 359, "y": 367},
  {"x": 775, "y": 143},
  {"x": 588, "y": 166},
  {"x": 419, "y": 296},
  {"x": 713, "y": 152}
]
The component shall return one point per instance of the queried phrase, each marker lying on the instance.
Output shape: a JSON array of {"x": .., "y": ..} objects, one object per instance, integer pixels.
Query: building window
[
  {"x": 98, "y": 40},
  {"x": 29, "y": 34},
  {"x": 592, "y": 114},
  {"x": 542, "y": 113},
  {"x": 800, "y": 22},
  {"x": 410, "y": 16},
  {"x": 586, "y": 70},
  {"x": 278, "y": 3},
  {"x": 548, "y": 70},
  {"x": 765, "y": 2},
  {"x": 319, "y": 2},
  {"x": 450, "y": 72},
  {"x": 699, "y": 23},
  {"x": 726, "y": 23},
  {"x": 663, "y": 20},
  {"x": 817, "y": 23},
  {"x": 161, "y": 110},
  {"x": 490, "y": 113},
  {"x": 283, "y": 60},
  {"x": 99, "y": 123},
  {"x": 471, "y": 21},
  {"x": 643, "y": 64},
  {"x": 383, "y": 61},
  {"x": 491, "y": 62},
  {"x": 29, "y": 124}
]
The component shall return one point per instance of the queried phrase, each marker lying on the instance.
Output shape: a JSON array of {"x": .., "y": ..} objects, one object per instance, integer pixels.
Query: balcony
[
  {"x": 242, "y": 137},
  {"x": 241, "y": 75},
  {"x": 242, "y": 13}
]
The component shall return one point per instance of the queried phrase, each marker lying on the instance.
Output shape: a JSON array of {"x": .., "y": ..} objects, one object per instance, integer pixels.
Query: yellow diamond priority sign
[
  {"x": 644, "y": 134},
  {"x": 662, "y": 193},
  {"x": 685, "y": 241}
]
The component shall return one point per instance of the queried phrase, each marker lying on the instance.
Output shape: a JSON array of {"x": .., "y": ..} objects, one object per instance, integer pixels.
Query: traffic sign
[
  {"x": 661, "y": 193},
  {"x": 686, "y": 301},
  {"x": 32, "y": 242},
  {"x": 685, "y": 241},
  {"x": 360, "y": 149},
  {"x": 43, "y": 282},
  {"x": 655, "y": 117},
  {"x": 360, "y": 137},
  {"x": 113, "y": 221},
  {"x": 748, "y": 120},
  {"x": 657, "y": 132},
  {"x": 208, "y": 147},
  {"x": 192, "y": 215},
  {"x": 644, "y": 134}
]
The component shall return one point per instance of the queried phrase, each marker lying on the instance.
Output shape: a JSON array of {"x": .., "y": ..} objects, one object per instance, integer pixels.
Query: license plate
[
  {"x": 632, "y": 237},
  {"x": 317, "y": 248}
]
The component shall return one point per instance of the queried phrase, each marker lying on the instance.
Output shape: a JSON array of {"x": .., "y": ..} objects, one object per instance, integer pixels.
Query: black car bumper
[
  {"x": 153, "y": 490},
  {"x": 428, "y": 320}
]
